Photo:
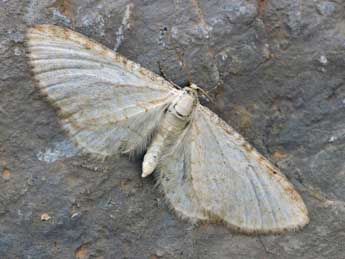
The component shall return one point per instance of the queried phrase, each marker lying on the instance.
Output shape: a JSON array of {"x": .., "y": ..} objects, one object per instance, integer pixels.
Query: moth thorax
[{"x": 185, "y": 105}]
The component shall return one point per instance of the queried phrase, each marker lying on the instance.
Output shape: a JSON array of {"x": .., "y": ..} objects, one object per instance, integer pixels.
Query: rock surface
[{"x": 276, "y": 70}]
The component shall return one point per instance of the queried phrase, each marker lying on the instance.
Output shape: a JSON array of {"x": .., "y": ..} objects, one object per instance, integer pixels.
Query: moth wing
[
  {"x": 236, "y": 184},
  {"x": 106, "y": 103},
  {"x": 176, "y": 182}
]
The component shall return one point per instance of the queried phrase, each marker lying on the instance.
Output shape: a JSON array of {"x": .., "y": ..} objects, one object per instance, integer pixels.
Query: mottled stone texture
[{"x": 276, "y": 71}]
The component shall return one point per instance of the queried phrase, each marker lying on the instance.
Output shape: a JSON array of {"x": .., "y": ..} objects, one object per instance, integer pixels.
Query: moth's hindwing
[{"x": 176, "y": 182}]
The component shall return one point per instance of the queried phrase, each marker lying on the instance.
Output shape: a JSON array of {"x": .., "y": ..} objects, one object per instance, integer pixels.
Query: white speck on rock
[
  {"x": 323, "y": 60},
  {"x": 58, "y": 151},
  {"x": 160, "y": 253},
  {"x": 76, "y": 214},
  {"x": 332, "y": 139},
  {"x": 17, "y": 52},
  {"x": 125, "y": 25},
  {"x": 45, "y": 217}
]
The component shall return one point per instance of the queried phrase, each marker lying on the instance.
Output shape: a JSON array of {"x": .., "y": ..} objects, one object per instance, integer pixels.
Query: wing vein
[
  {"x": 270, "y": 203},
  {"x": 225, "y": 158},
  {"x": 262, "y": 190}
]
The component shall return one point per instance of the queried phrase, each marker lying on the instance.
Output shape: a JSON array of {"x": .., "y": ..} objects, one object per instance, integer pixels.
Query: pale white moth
[{"x": 110, "y": 105}]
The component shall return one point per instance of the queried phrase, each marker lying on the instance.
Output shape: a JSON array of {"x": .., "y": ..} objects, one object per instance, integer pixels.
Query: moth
[{"x": 110, "y": 105}]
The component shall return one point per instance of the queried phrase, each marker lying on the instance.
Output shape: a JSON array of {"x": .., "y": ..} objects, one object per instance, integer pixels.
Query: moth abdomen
[{"x": 170, "y": 127}]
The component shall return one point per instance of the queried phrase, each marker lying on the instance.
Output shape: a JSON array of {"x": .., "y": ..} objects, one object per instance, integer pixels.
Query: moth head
[
  {"x": 192, "y": 90},
  {"x": 198, "y": 91}
]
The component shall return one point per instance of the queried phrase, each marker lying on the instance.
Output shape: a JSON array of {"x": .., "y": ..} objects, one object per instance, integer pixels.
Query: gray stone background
[{"x": 276, "y": 71}]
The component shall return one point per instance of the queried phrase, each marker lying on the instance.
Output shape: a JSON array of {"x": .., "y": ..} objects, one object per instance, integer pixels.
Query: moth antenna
[
  {"x": 204, "y": 93},
  {"x": 213, "y": 88},
  {"x": 208, "y": 98}
]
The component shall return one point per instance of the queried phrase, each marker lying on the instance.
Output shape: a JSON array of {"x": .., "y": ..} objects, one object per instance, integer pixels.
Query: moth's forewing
[
  {"x": 236, "y": 184},
  {"x": 106, "y": 103}
]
